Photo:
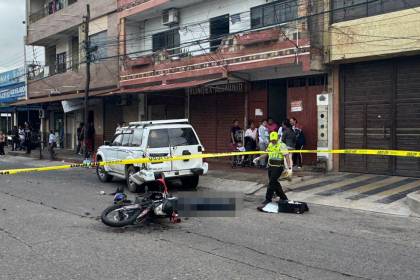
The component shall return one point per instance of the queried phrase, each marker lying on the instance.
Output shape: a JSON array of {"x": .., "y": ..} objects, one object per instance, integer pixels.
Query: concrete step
[{"x": 413, "y": 201}]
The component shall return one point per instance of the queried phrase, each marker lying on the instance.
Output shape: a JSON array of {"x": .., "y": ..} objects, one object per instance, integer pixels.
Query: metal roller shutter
[
  {"x": 380, "y": 110},
  {"x": 212, "y": 116}
]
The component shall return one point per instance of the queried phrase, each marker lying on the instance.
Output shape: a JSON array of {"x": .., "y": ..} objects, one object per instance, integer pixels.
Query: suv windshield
[{"x": 182, "y": 137}]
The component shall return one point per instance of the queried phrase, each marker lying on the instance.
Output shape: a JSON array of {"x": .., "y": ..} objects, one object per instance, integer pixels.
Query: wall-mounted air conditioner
[{"x": 170, "y": 17}]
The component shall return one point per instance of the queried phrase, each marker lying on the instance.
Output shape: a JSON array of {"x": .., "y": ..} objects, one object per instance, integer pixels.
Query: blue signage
[
  {"x": 12, "y": 85},
  {"x": 12, "y": 77}
]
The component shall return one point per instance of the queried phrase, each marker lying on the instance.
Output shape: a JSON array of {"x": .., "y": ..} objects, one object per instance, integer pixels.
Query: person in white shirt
[
  {"x": 52, "y": 143},
  {"x": 263, "y": 139},
  {"x": 252, "y": 132}
]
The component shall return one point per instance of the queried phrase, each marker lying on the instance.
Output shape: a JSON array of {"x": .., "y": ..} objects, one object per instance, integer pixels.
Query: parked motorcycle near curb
[{"x": 152, "y": 205}]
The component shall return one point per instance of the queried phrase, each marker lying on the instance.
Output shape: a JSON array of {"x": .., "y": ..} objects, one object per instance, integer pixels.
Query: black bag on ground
[{"x": 290, "y": 206}]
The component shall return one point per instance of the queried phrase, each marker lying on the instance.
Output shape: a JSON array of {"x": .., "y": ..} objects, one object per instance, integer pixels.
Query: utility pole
[{"x": 88, "y": 60}]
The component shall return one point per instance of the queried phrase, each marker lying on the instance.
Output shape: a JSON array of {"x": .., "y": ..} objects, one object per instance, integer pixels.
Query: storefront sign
[
  {"x": 210, "y": 89},
  {"x": 259, "y": 112},
  {"x": 296, "y": 106},
  {"x": 12, "y": 93},
  {"x": 77, "y": 104},
  {"x": 72, "y": 105},
  {"x": 12, "y": 77}
]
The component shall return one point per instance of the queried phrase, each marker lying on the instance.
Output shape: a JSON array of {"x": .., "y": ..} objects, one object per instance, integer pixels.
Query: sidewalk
[{"x": 61, "y": 155}]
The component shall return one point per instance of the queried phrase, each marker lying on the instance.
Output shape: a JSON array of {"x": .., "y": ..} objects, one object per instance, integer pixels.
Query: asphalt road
[{"x": 49, "y": 230}]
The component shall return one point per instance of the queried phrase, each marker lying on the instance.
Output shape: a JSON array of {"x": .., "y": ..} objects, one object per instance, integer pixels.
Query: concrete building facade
[
  {"x": 373, "y": 52},
  {"x": 58, "y": 84}
]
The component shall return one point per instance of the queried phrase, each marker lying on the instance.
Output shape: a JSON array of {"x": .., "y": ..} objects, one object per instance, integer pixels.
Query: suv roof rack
[{"x": 144, "y": 123}]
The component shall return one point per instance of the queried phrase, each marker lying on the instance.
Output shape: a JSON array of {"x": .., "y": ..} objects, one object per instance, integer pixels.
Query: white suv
[{"x": 153, "y": 139}]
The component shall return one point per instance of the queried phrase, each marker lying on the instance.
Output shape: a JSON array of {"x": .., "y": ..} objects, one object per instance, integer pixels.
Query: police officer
[{"x": 277, "y": 151}]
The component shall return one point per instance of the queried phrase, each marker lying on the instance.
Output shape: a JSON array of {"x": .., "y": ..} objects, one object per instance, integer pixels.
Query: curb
[
  {"x": 413, "y": 201},
  {"x": 45, "y": 157}
]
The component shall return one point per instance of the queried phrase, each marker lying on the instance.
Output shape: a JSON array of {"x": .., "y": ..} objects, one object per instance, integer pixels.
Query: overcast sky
[{"x": 12, "y": 13}]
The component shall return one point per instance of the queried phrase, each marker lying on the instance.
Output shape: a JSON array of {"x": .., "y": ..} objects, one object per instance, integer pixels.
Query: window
[
  {"x": 61, "y": 62},
  {"x": 117, "y": 140},
  {"x": 182, "y": 137},
  {"x": 127, "y": 139},
  {"x": 158, "y": 138},
  {"x": 167, "y": 40},
  {"x": 99, "y": 40},
  {"x": 219, "y": 27},
  {"x": 274, "y": 13},
  {"x": 137, "y": 137},
  {"x": 352, "y": 9}
]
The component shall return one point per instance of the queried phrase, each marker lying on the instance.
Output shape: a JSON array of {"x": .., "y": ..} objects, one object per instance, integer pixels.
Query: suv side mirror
[{"x": 107, "y": 143}]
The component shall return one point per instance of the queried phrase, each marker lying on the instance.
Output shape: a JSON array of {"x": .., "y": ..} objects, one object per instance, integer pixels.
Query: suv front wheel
[
  {"x": 103, "y": 176},
  {"x": 132, "y": 186},
  {"x": 190, "y": 182}
]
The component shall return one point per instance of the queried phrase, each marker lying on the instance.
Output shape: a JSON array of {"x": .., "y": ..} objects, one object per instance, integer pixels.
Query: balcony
[
  {"x": 242, "y": 52},
  {"x": 46, "y": 8},
  {"x": 45, "y": 24},
  {"x": 54, "y": 80},
  {"x": 133, "y": 7}
]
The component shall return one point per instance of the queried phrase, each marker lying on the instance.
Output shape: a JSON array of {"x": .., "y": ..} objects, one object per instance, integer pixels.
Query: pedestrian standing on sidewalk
[
  {"x": 52, "y": 144},
  {"x": 15, "y": 138},
  {"x": 235, "y": 133},
  {"x": 21, "y": 138},
  {"x": 2, "y": 143},
  {"x": 288, "y": 138},
  {"x": 80, "y": 137},
  {"x": 89, "y": 140},
  {"x": 272, "y": 125},
  {"x": 263, "y": 139},
  {"x": 300, "y": 142},
  {"x": 28, "y": 138},
  {"x": 277, "y": 152}
]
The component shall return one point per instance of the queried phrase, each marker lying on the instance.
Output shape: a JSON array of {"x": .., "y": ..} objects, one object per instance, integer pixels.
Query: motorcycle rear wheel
[{"x": 119, "y": 219}]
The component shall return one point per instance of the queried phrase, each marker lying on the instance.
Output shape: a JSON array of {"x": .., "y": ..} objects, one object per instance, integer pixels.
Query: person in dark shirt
[
  {"x": 80, "y": 138},
  {"x": 89, "y": 140},
  {"x": 15, "y": 138},
  {"x": 300, "y": 142},
  {"x": 235, "y": 133},
  {"x": 288, "y": 138},
  {"x": 28, "y": 138}
]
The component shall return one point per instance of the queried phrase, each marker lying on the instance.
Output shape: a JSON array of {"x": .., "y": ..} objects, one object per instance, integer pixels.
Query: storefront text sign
[{"x": 296, "y": 106}]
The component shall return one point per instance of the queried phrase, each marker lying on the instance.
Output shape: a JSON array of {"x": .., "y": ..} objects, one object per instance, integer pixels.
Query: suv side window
[
  {"x": 127, "y": 139},
  {"x": 158, "y": 138},
  {"x": 117, "y": 140},
  {"x": 137, "y": 137},
  {"x": 182, "y": 137}
]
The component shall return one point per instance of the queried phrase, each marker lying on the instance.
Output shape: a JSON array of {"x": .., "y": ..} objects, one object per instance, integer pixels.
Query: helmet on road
[{"x": 274, "y": 136}]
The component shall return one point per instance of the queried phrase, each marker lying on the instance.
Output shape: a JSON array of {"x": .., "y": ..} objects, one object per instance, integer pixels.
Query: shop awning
[
  {"x": 58, "y": 98},
  {"x": 163, "y": 87}
]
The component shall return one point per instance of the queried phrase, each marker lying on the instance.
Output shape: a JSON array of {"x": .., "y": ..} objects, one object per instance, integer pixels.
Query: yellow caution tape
[{"x": 397, "y": 153}]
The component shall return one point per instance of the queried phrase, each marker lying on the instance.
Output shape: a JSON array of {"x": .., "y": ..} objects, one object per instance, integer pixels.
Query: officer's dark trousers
[{"x": 274, "y": 186}]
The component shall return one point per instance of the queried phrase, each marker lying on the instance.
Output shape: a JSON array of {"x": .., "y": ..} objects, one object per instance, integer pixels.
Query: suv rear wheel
[
  {"x": 103, "y": 176},
  {"x": 190, "y": 182},
  {"x": 132, "y": 187}
]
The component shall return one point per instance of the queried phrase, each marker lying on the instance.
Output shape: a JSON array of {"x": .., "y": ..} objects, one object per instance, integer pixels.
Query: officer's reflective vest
[{"x": 276, "y": 153}]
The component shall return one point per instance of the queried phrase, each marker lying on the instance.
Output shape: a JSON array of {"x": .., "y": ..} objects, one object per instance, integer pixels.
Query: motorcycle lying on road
[{"x": 152, "y": 205}]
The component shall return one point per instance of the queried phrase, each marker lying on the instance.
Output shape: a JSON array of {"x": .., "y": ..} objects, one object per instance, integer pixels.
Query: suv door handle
[{"x": 186, "y": 153}]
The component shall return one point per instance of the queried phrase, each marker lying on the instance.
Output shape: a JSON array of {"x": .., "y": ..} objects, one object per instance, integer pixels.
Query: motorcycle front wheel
[{"x": 114, "y": 217}]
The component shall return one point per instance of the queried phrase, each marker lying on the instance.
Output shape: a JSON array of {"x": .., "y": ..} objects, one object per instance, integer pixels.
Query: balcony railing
[
  {"x": 240, "y": 43},
  {"x": 49, "y": 8},
  {"x": 251, "y": 46},
  {"x": 127, "y": 4},
  {"x": 36, "y": 72}
]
